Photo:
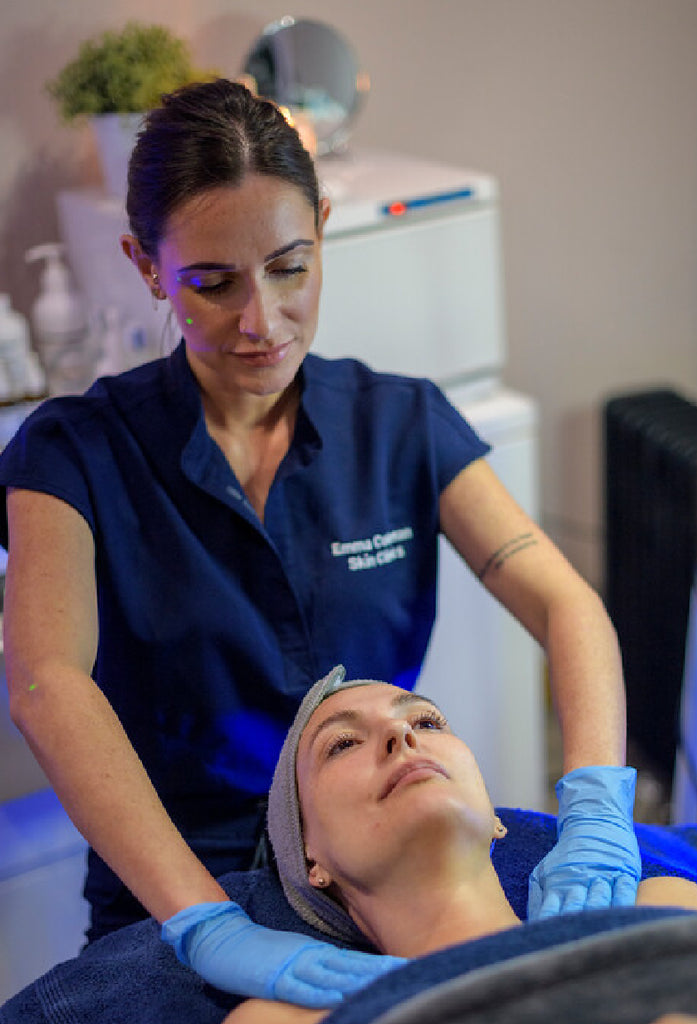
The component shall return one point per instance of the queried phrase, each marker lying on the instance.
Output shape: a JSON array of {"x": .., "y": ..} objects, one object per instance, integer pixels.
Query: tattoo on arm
[{"x": 506, "y": 551}]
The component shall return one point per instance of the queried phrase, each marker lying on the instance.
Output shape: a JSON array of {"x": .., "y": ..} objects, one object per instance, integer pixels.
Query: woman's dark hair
[{"x": 204, "y": 136}]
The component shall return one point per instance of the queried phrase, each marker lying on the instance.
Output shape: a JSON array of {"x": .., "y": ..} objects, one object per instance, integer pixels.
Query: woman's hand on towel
[
  {"x": 220, "y": 943},
  {"x": 596, "y": 861}
]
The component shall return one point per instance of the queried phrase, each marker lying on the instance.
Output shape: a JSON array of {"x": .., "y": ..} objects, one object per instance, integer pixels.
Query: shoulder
[
  {"x": 347, "y": 389},
  {"x": 355, "y": 376},
  {"x": 107, "y": 399},
  {"x": 350, "y": 383},
  {"x": 54, "y": 419},
  {"x": 68, "y": 440}
]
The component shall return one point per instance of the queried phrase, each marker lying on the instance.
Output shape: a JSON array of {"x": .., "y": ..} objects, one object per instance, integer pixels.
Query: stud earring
[
  {"x": 321, "y": 882},
  {"x": 156, "y": 290}
]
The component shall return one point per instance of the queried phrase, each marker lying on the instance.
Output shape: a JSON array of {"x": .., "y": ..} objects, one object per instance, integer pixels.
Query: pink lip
[
  {"x": 414, "y": 771},
  {"x": 264, "y": 356}
]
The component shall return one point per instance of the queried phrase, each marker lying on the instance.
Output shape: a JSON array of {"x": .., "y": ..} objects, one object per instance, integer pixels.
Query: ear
[
  {"x": 500, "y": 829},
  {"x": 143, "y": 263},
  {"x": 325, "y": 208},
  {"x": 318, "y": 877}
]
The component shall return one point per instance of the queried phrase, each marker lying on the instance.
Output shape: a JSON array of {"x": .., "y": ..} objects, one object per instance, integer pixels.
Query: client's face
[{"x": 380, "y": 773}]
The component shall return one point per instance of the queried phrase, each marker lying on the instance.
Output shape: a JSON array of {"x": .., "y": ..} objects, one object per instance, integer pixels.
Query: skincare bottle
[
  {"x": 14, "y": 351},
  {"x": 111, "y": 359},
  {"x": 36, "y": 387},
  {"x": 58, "y": 317}
]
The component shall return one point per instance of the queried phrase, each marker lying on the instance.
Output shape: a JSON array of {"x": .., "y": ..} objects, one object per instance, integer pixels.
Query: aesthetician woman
[{"x": 179, "y": 560}]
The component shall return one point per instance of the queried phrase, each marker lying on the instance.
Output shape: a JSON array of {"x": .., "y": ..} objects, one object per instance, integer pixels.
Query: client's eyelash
[
  {"x": 431, "y": 717},
  {"x": 341, "y": 742},
  {"x": 423, "y": 719}
]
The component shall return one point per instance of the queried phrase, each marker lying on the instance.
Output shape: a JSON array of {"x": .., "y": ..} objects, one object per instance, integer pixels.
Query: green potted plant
[{"x": 114, "y": 79}]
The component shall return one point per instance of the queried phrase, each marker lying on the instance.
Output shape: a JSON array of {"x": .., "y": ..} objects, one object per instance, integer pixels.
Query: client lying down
[{"x": 382, "y": 828}]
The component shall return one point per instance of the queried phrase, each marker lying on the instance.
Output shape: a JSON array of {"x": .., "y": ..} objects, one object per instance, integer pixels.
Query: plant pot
[{"x": 116, "y": 136}]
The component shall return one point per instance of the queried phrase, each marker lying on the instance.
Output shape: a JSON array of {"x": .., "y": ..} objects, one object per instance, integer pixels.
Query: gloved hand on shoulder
[
  {"x": 596, "y": 861},
  {"x": 220, "y": 943}
]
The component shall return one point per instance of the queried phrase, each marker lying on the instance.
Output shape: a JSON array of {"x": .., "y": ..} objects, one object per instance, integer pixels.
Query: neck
[
  {"x": 254, "y": 435},
  {"x": 245, "y": 413},
  {"x": 431, "y": 910}
]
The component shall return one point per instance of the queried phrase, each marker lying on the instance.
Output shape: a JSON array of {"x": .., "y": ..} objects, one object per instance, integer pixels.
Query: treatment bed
[{"x": 599, "y": 966}]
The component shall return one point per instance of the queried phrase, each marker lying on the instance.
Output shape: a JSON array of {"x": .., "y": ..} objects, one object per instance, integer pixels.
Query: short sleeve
[
  {"x": 49, "y": 454},
  {"x": 456, "y": 444}
]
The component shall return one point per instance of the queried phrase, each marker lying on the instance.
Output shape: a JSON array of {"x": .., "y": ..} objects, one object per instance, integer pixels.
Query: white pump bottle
[
  {"x": 58, "y": 316},
  {"x": 14, "y": 352}
]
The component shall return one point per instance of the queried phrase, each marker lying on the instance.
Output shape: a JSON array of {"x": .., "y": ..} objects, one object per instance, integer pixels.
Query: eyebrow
[
  {"x": 351, "y": 715},
  {"x": 298, "y": 243}
]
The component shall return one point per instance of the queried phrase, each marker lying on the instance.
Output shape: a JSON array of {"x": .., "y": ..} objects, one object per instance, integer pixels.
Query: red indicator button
[{"x": 397, "y": 209}]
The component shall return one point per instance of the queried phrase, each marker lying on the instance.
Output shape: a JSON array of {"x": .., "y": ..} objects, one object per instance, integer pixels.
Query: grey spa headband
[{"x": 285, "y": 830}]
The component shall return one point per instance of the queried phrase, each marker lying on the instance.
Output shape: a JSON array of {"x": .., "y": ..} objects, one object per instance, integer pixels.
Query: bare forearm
[
  {"x": 51, "y": 639},
  {"x": 262, "y": 1011},
  {"x": 521, "y": 567},
  {"x": 586, "y": 679},
  {"x": 84, "y": 751}
]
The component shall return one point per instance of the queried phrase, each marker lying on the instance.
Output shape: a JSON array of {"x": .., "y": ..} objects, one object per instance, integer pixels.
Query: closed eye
[
  {"x": 210, "y": 282},
  {"x": 213, "y": 289},
  {"x": 288, "y": 271},
  {"x": 217, "y": 282}
]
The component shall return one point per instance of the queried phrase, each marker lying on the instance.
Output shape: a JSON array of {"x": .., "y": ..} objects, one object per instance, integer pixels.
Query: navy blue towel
[{"x": 131, "y": 977}]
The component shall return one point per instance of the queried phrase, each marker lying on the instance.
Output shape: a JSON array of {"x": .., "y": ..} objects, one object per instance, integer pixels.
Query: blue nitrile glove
[
  {"x": 596, "y": 862},
  {"x": 219, "y": 942}
]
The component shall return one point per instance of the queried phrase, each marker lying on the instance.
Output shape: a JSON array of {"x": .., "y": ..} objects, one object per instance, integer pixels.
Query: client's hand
[
  {"x": 221, "y": 944},
  {"x": 596, "y": 862}
]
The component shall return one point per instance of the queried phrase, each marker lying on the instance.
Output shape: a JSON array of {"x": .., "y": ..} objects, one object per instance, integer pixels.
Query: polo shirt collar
[{"x": 202, "y": 461}]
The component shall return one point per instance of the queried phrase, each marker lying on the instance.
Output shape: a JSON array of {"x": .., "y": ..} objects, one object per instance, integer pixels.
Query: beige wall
[{"x": 585, "y": 110}]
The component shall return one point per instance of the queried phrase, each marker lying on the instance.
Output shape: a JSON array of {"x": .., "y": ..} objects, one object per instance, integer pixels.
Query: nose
[
  {"x": 398, "y": 736},
  {"x": 255, "y": 315}
]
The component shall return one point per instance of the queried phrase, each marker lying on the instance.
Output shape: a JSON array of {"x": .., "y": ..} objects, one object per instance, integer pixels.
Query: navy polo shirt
[{"x": 213, "y": 625}]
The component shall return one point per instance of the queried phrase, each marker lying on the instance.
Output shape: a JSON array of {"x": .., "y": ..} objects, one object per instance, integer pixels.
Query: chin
[
  {"x": 273, "y": 386},
  {"x": 442, "y": 809},
  {"x": 270, "y": 380}
]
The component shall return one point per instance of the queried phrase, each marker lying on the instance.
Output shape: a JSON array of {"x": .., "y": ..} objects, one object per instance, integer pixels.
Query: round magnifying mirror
[{"x": 309, "y": 68}]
